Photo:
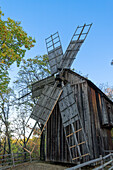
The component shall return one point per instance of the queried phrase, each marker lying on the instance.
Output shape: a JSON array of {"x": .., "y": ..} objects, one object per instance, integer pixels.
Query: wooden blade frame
[
  {"x": 77, "y": 40},
  {"x": 53, "y": 94},
  {"x": 55, "y": 52},
  {"x": 70, "y": 115},
  {"x": 45, "y": 103},
  {"x": 38, "y": 86}
]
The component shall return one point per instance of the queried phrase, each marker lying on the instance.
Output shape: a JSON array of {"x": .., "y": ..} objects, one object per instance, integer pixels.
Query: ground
[
  {"x": 46, "y": 166},
  {"x": 38, "y": 166}
]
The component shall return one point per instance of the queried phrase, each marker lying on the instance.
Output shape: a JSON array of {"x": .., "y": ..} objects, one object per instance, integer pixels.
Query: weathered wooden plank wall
[
  {"x": 102, "y": 119},
  {"x": 96, "y": 112},
  {"x": 56, "y": 149}
]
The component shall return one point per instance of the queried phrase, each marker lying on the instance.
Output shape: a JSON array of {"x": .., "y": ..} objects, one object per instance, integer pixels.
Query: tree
[
  {"x": 31, "y": 71},
  {"x": 13, "y": 44},
  {"x": 108, "y": 90},
  {"x": 5, "y": 104},
  {"x": 112, "y": 62}
]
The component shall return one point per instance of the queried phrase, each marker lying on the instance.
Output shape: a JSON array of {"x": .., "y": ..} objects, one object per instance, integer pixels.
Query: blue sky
[{"x": 40, "y": 18}]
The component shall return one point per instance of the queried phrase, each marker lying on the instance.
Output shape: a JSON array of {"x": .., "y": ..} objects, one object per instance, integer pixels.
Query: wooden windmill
[{"x": 56, "y": 89}]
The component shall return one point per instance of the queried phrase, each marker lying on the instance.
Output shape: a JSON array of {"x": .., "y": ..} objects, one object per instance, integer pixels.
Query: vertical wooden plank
[
  {"x": 86, "y": 117},
  {"x": 46, "y": 155},
  {"x": 100, "y": 134},
  {"x": 81, "y": 111},
  {"x": 56, "y": 133},
  {"x": 93, "y": 135},
  {"x": 59, "y": 135},
  {"x": 61, "y": 140}
]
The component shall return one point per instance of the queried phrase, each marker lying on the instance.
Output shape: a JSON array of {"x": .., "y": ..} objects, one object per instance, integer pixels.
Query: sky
[{"x": 41, "y": 18}]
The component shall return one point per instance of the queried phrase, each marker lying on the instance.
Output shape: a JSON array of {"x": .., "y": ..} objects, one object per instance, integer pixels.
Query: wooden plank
[
  {"x": 45, "y": 103},
  {"x": 76, "y": 140},
  {"x": 74, "y": 132},
  {"x": 84, "y": 164},
  {"x": 71, "y": 53},
  {"x": 81, "y": 156},
  {"x": 86, "y": 117},
  {"x": 38, "y": 86},
  {"x": 41, "y": 83},
  {"x": 93, "y": 126},
  {"x": 78, "y": 144},
  {"x": 55, "y": 53},
  {"x": 104, "y": 165},
  {"x": 68, "y": 106}
]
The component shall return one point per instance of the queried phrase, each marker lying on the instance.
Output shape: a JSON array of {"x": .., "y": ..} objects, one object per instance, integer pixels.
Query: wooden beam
[
  {"x": 73, "y": 133},
  {"x": 78, "y": 144},
  {"x": 80, "y": 156}
]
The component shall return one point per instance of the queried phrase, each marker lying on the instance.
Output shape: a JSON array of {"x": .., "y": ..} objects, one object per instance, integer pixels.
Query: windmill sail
[
  {"x": 55, "y": 52},
  {"x": 38, "y": 86},
  {"x": 77, "y": 40},
  {"x": 46, "y": 103},
  {"x": 70, "y": 116},
  {"x": 67, "y": 106}
]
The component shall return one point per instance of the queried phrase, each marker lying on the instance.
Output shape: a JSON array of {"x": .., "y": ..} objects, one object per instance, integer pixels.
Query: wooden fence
[
  {"x": 100, "y": 163},
  {"x": 14, "y": 159}
]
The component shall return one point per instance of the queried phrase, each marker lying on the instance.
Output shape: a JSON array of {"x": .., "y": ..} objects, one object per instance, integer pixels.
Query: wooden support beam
[
  {"x": 73, "y": 133},
  {"x": 27, "y": 150},
  {"x": 78, "y": 144},
  {"x": 33, "y": 129},
  {"x": 80, "y": 156}
]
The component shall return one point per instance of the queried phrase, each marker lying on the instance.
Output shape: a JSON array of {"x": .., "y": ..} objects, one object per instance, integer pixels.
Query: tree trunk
[
  {"x": 42, "y": 146},
  {"x": 0, "y": 145},
  {"x": 8, "y": 138},
  {"x": 24, "y": 141},
  {"x": 4, "y": 150}
]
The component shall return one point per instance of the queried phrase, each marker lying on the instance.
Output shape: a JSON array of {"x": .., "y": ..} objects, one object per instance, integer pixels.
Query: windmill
[{"x": 56, "y": 89}]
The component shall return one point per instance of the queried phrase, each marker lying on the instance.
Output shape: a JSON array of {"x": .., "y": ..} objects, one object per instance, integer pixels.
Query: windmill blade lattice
[
  {"x": 38, "y": 86},
  {"x": 70, "y": 115},
  {"x": 77, "y": 40},
  {"x": 46, "y": 103},
  {"x": 55, "y": 52}
]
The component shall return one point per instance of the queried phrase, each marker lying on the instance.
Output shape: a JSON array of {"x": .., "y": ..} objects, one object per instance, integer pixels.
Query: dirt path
[{"x": 38, "y": 166}]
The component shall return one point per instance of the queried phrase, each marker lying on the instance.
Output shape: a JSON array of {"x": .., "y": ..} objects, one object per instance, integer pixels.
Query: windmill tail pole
[{"x": 39, "y": 137}]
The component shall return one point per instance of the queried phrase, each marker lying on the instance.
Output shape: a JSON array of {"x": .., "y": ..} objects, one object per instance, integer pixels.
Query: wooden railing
[
  {"x": 102, "y": 162},
  {"x": 14, "y": 159}
]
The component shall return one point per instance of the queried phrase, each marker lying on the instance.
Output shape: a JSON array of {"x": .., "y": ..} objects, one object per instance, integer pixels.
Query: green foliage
[
  {"x": 13, "y": 44},
  {"x": 32, "y": 70}
]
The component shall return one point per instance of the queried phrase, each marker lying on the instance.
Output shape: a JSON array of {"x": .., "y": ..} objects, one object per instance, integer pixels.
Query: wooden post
[
  {"x": 111, "y": 158},
  {"x": 13, "y": 159},
  {"x": 78, "y": 163},
  {"x": 42, "y": 145},
  {"x": 102, "y": 162}
]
